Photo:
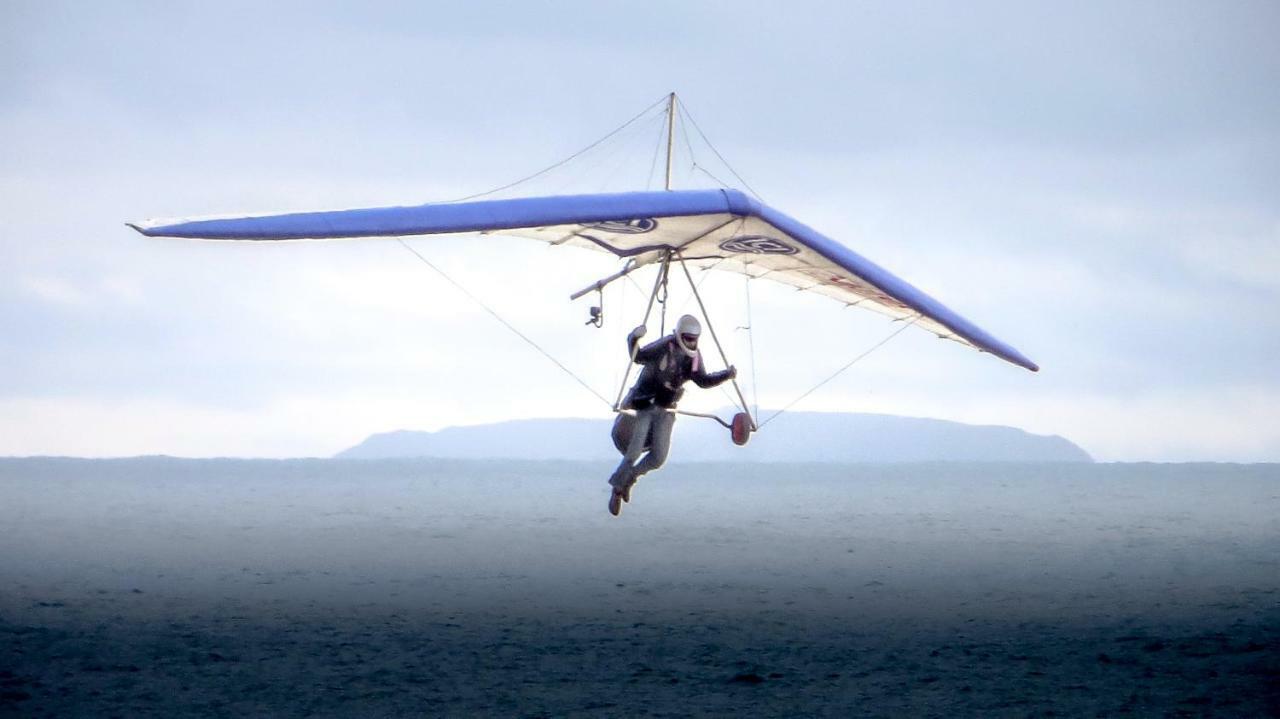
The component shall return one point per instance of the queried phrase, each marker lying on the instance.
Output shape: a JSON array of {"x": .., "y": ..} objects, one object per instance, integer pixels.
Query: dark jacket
[{"x": 666, "y": 369}]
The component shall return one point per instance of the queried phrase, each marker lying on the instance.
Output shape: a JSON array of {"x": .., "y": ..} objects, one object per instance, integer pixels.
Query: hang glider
[{"x": 720, "y": 229}]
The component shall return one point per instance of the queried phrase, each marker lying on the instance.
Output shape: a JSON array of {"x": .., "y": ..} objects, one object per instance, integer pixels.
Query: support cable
[
  {"x": 658, "y": 283},
  {"x": 563, "y": 162},
  {"x": 499, "y": 318},
  {"x": 605, "y": 162},
  {"x": 684, "y": 110},
  {"x": 751, "y": 342},
  {"x": 622, "y": 158},
  {"x": 742, "y": 400},
  {"x": 657, "y": 150},
  {"x": 840, "y": 371},
  {"x": 706, "y": 273},
  {"x": 666, "y": 295},
  {"x": 708, "y": 173},
  {"x": 620, "y": 290},
  {"x": 688, "y": 143}
]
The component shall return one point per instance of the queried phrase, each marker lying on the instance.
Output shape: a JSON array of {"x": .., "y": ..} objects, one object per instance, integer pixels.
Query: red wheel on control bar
[{"x": 740, "y": 430}]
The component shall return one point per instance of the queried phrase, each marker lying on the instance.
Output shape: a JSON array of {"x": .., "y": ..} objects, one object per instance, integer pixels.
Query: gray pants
[{"x": 660, "y": 421}]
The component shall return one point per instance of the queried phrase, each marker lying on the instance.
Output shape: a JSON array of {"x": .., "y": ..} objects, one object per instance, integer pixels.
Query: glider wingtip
[
  {"x": 139, "y": 228},
  {"x": 1012, "y": 356}
]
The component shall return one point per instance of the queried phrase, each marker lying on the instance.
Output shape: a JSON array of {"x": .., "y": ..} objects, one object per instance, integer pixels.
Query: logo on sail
[
  {"x": 637, "y": 226},
  {"x": 758, "y": 245}
]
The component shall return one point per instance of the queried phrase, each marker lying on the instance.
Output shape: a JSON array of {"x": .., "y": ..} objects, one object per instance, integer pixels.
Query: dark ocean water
[{"x": 428, "y": 588}]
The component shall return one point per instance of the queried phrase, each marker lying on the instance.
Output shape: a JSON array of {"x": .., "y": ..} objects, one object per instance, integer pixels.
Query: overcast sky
[{"x": 1097, "y": 184}]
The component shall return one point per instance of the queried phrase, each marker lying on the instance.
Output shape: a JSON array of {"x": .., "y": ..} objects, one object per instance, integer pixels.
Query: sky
[{"x": 1097, "y": 184}]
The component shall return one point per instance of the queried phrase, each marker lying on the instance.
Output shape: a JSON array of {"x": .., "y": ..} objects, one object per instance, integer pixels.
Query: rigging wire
[
  {"x": 620, "y": 291},
  {"x": 499, "y": 318},
  {"x": 636, "y": 285},
  {"x": 707, "y": 172},
  {"x": 666, "y": 295},
  {"x": 626, "y": 148},
  {"x": 566, "y": 160},
  {"x": 693, "y": 159},
  {"x": 706, "y": 273},
  {"x": 840, "y": 371},
  {"x": 605, "y": 162},
  {"x": 657, "y": 150},
  {"x": 683, "y": 109},
  {"x": 751, "y": 342},
  {"x": 719, "y": 348},
  {"x": 658, "y": 282},
  {"x": 695, "y": 287}
]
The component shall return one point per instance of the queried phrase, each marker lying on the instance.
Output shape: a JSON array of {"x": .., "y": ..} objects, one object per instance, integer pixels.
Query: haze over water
[{"x": 351, "y": 588}]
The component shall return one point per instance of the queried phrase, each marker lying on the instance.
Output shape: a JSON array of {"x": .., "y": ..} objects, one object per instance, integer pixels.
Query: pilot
[{"x": 668, "y": 363}]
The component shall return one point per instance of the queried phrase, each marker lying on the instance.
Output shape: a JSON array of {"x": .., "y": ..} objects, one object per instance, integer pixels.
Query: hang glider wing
[{"x": 723, "y": 229}]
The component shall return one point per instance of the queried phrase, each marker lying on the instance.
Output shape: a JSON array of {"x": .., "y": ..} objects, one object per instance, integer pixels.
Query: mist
[{"x": 489, "y": 587}]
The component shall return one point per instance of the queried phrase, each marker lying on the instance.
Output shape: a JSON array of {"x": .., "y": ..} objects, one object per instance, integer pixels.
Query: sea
[{"x": 407, "y": 588}]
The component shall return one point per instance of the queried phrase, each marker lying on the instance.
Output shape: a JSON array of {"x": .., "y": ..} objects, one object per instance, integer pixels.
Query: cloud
[
  {"x": 55, "y": 290},
  {"x": 67, "y": 293}
]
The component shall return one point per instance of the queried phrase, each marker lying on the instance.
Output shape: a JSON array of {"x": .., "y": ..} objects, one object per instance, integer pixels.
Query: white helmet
[{"x": 687, "y": 331}]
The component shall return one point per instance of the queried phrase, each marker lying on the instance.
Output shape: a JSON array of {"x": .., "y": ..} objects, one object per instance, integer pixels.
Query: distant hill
[{"x": 794, "y": 437}]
